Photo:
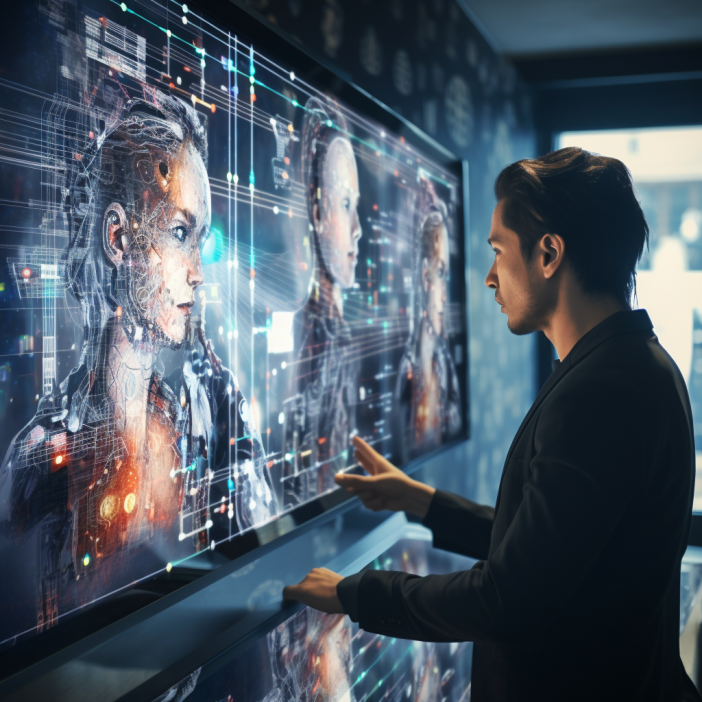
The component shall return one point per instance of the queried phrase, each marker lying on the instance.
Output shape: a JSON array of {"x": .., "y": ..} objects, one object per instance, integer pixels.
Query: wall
[{"x": 427, "y": 61}]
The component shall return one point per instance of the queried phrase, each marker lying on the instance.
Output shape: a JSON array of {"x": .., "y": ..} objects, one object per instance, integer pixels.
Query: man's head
[
  {"x": 141, "y": 213},
  {"x": 331, "y": 174},
  {"x": 569, "y": 214}
]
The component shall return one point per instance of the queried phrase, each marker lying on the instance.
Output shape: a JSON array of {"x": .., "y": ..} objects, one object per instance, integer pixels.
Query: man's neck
[{"x": 575, "y": 315}]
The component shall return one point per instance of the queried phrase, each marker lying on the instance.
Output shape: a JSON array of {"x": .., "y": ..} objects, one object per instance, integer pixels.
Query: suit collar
[{"x": 625, "y": 322}]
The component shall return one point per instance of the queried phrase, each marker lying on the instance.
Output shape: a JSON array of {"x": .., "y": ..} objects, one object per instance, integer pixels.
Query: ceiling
[{"x": 530, "y": 28}]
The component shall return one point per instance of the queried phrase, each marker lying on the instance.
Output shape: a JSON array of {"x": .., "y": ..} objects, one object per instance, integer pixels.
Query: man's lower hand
[{"x": 317, "y": 590}]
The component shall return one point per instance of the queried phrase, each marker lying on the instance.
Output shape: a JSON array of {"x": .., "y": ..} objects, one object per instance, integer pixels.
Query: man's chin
[{"x": 520, "y": 327}]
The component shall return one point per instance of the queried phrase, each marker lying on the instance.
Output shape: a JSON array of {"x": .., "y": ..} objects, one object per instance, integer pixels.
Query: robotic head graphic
[
  {"x": 330, "y": 175},
  {"x": 140, "y": 212}
]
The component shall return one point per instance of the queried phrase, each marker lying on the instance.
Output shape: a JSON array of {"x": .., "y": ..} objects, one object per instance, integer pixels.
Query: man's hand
[
  {"x": 317, "y": 590},
  {"x": 386, "y": 487}
]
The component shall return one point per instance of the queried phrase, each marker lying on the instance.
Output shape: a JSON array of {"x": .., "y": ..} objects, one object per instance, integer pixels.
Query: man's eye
[
  {"x": 346, "y": 203},
  {"x": 179, "y": 232}
]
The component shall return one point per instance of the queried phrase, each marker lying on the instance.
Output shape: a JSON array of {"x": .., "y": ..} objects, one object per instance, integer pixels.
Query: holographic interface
[
  {"x": 214, "y": 276},
  {"x": 315, "y": 657}
]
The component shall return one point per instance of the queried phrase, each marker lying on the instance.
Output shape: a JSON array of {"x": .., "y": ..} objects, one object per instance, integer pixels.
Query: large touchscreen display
[
  {"x": 213, "y": 276},
  {"x": 315, "y": 657}
]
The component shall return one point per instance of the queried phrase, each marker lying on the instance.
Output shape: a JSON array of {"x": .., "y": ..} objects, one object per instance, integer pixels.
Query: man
[{"x": 577, "y": 593}]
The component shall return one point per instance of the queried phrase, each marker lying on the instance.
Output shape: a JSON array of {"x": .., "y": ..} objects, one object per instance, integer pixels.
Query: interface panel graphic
[
  {"x": 213, "y": 276},
  {"x": 315, "y": 657}
]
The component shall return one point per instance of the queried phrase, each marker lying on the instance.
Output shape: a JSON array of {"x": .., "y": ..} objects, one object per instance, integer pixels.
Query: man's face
[
  {"x": 434, "y": 279},
  {"x": 519, "y": 289},
  {"x": 339, "y": 229},
  {"x": 176, "y": 204}
]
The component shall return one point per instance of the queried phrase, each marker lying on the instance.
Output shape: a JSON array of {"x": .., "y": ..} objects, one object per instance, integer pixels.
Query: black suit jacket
[{"x": 578, "y": 593}]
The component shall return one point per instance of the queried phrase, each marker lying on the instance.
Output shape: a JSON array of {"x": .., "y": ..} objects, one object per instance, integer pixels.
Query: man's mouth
[{"x": 185, "y": 307}]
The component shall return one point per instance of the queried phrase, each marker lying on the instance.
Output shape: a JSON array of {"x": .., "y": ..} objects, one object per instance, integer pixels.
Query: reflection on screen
[
  {"x": 324, "y": 658},
  {"x": 215, "y": 277}
]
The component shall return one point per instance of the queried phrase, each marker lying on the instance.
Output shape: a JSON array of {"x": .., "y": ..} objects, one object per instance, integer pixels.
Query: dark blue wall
[{"x": 426, "y": 60}]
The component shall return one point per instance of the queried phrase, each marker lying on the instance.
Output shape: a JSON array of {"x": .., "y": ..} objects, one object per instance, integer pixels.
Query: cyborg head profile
[
  {"x": 140, "y": 210},
  {"x": 330, "y": 176}
]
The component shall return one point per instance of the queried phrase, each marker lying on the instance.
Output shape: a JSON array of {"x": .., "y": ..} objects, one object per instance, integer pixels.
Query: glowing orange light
[
  {"x": 321, "y": 441},
  {"x": 270, "y": 464},
  {"x": 268, "y": 431},
  {"x": 285, "y": 175},
  {"x": 375, "y": 207},
  {"x": 185, "y": 68},
  {"x": 213, "y": 107},
  {"x": 26, "y": 272},
  {"x": 91, "y": 134},
  {"x": 287, "y": 160},
  {"x": 232, "y": 441},
  {"x": 397, "y": 173},
  {"x": 118, "y": 311},
  {"x": 252, "y": 273},
  {"x": 59, "y": 459},
  {"x": 253, "y": 97},
  {"x": 290, "y": 214},
  {"x": 402, "y": 140}
]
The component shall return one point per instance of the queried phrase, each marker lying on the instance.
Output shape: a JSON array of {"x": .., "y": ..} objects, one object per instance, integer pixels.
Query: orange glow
[
  {"x": 232, "y": 441},
  {"x": 268, "y": 431},
  {"x": 26, "y": 272},
  {"x": 213, "y": 107},
  {"x": 375, "y": 207},
  {"x": 252, "y": 273},
  {"x": 118, "y": 311},
  {"x": 59, "y": 459},
  {"x": 321, "y": 441},
  {"x": 290, "y": 128},
  {"x": 285, "y": 175},
  {"x": 287, "y": 161},
  {"x": 290, "y": 213},
  {"x": 270, "y": 464},
  {"x": 185, "y": 68},
  {"x": 91, "y": 134},
  {"x": 397, "y": 173}
]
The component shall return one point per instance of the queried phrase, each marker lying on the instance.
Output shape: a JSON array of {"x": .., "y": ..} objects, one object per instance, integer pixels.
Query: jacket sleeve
[
  {"x": 587, "y": 450},
  {"x": 460, "y": 525}
]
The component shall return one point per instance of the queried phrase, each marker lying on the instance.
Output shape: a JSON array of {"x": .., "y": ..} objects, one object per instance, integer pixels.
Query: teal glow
[{"x": 214, "y": 248}]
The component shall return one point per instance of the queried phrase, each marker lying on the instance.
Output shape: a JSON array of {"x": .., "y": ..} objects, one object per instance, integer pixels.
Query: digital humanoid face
[
  {"x": 338, "y": 227},
  {"x": 434, "y": 279},
  {"x": 166, "y": 242}
]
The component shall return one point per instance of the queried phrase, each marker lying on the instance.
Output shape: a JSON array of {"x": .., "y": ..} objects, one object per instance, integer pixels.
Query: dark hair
[{"x": 587, "y": 199}]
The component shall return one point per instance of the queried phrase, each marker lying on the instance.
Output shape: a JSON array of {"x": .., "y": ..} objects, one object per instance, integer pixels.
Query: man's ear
[
  {"x": 115, "y": 233},
  {"x": 551, "y": 253}
]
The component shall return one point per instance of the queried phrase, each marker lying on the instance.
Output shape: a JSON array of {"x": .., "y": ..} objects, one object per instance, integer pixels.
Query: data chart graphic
[{"x": 214, "y": 276}]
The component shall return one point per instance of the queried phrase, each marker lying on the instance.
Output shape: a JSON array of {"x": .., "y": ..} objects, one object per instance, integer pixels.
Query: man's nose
[{"x": 491, "y": 279}]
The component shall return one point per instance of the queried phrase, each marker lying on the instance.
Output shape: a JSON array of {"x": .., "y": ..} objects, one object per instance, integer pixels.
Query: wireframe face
[
  {"x": 434, "y": 279},
  {"x": 339, "y": 228},
  {"x": 166, "y": 243}
]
